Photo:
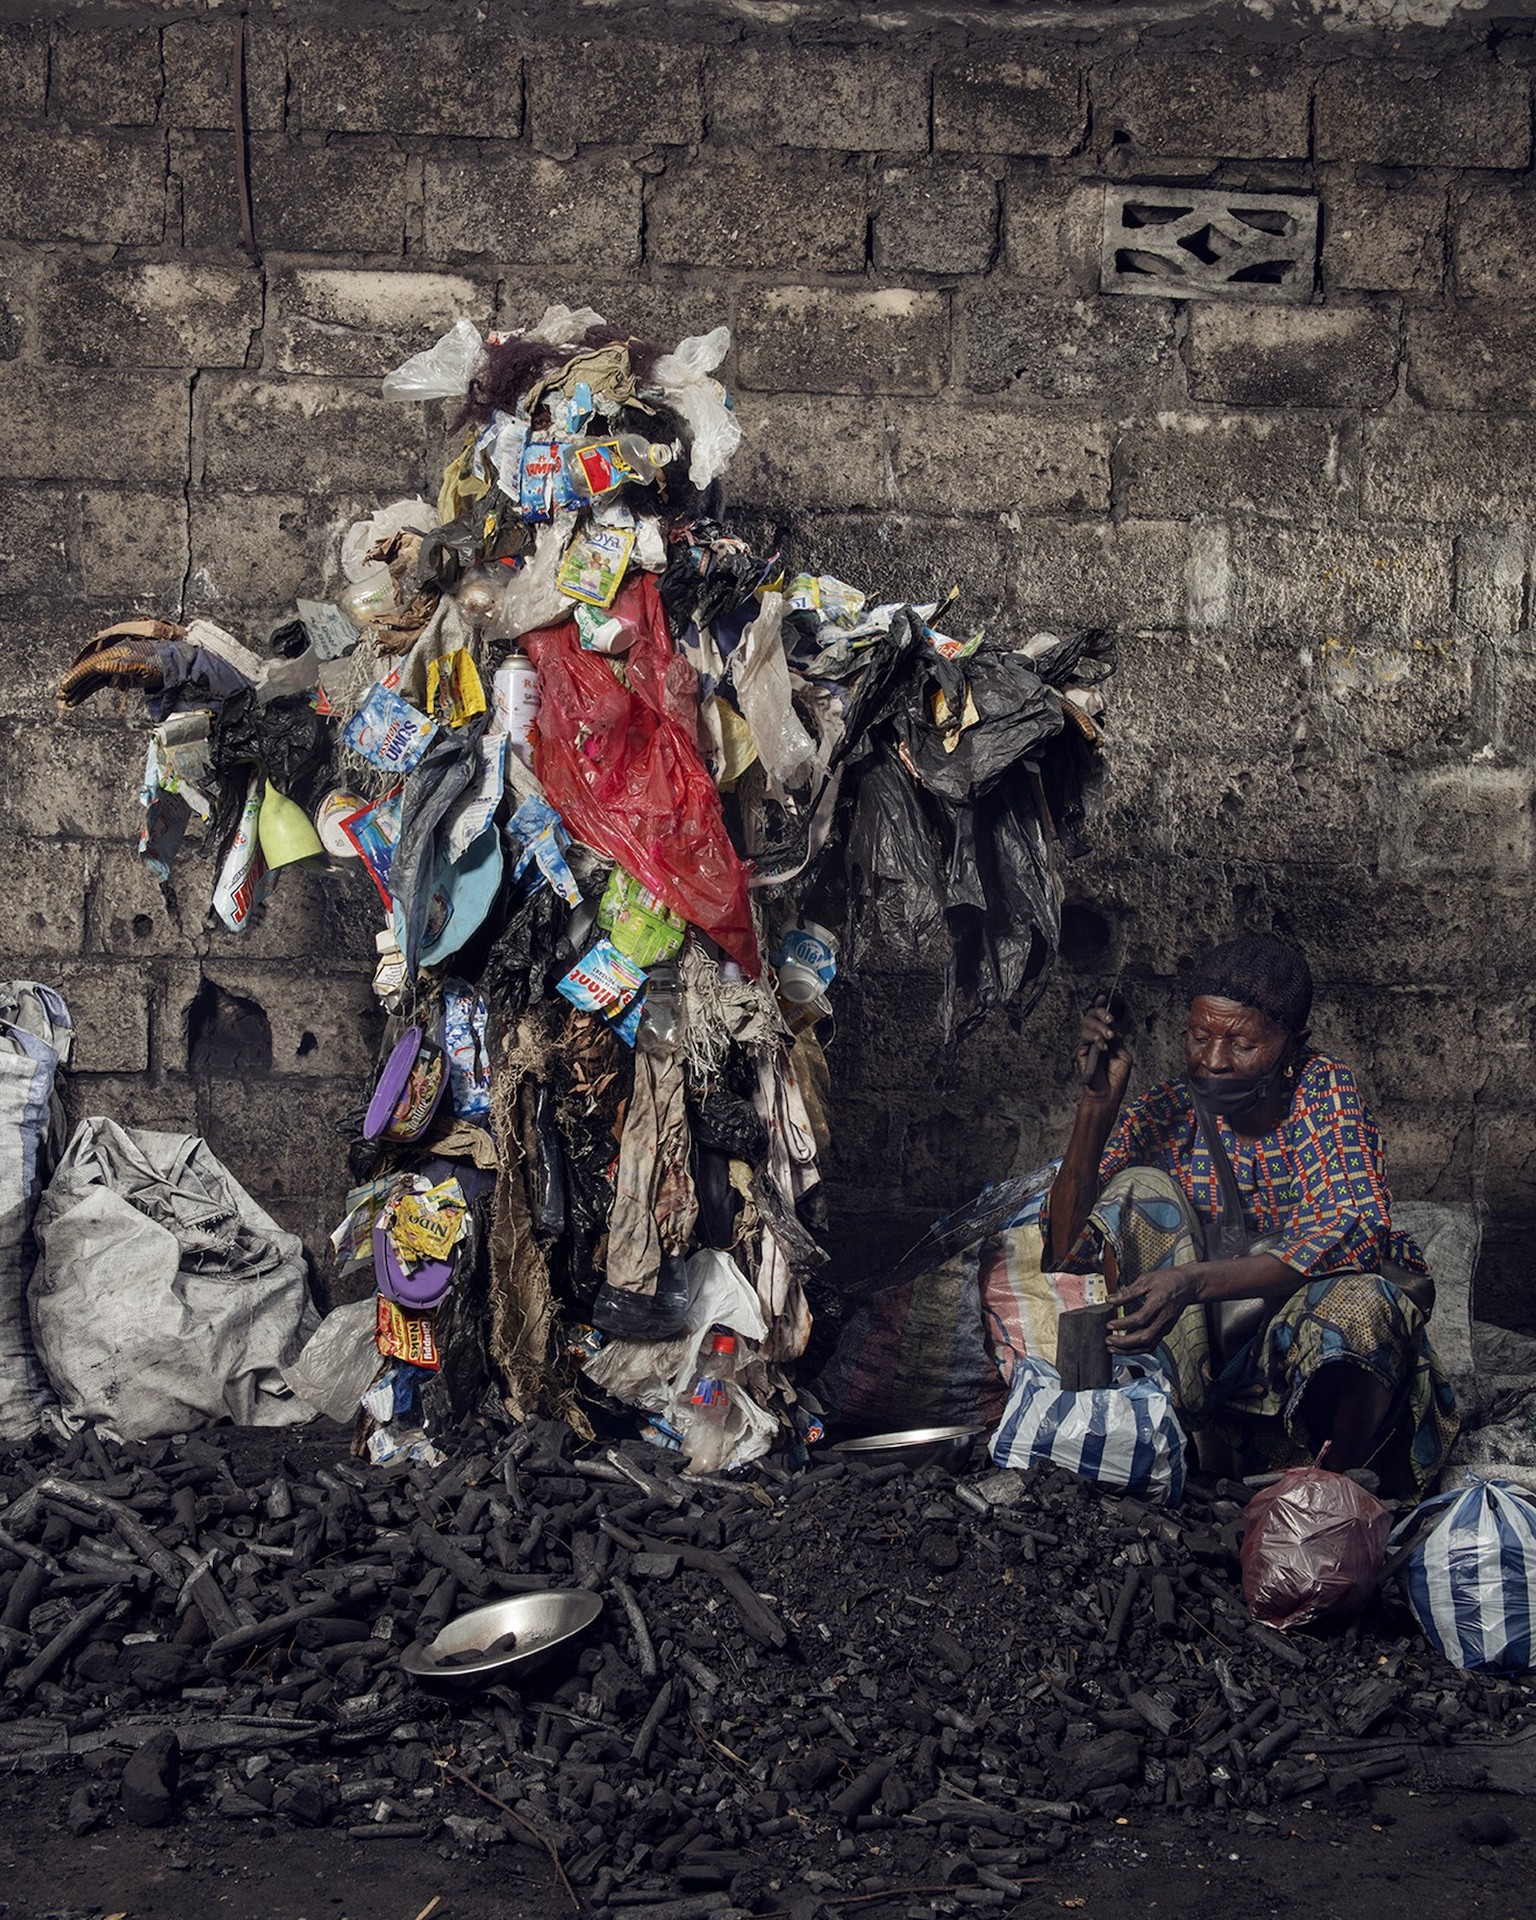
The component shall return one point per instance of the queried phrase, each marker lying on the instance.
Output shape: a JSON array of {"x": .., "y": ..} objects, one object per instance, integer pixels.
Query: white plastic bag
[
  {"x": 441, "y": 372},
  {"x": 339, "y": 1362},
  {"x": 684, "y": 376},
  {"x": 35, "y": 1040},
  {"x": 760, "y": 675},
  {"x": 1125, "y": 1436}
]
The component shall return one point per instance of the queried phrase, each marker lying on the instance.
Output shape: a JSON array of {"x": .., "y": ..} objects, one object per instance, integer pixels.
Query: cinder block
[
  {"x": 325, "y": 1028},
  {"x": 1473, "y": 818},
  {"x": 104, "y": 188},
  {"x": 18, "y": 284},
  {"x": 406, "y": 80},
  {"x": 584, "y": 93},
  {"x": 154, "y": 314},
  {"x": 332, "y": 910},
  {"x": 1471, "y": 357},
  {"x": 38, "y": 522},
  {"x": 823, "y": 96},
  {"x": 945, "y": 1152},
  {"x": 904, "y": 556},
  {"x": 345, "y": 197},
  {"x": 1394, "y": 695},
  {"x": 56, "y": 625},
  {"x": 936, "y": 220},
  {"x": 268, "y": 434},
  {"x": 1510, "y": 701},
  {"x": 78, "y": 781},
  {"x": 1206, "y": 105},
  {"x": 254, "y": 549},
  {"x": 1052, "y": 236},
  {"x": 1470, "y": 112},
  {"x": 130, "y": 918},
  {"x": 1491, "y": 571},
  {"x": 95, "y": 426},
  {"x": 45, "y": 888},
  {"x": 533, "y": 210},
  {"x": 110, "y": 1008},
  {"x": 1390, "y": 240},
  {"x": 1494, "y": 243},
  {"x": 358, "y": 322},
  {"x": 161, "y": 1103},
  {"x": 992, "y": 105},
  {"x": 1462, "y": 469},
  {"x": 891, "y": 341},
  {"x": 1271, "y": 356},
  {"x": 1289, "y": 466},
  {"x": 23, "y": 69},
  {"x": 1053, "y": 349},
  {"x": 1506, "y": 1163},
  {"x": 279, "y": 1137},
  {"x": 736, "y": 214},
  {"x": 1128, "y": 573},
  {"x": 198, "y": 60},
  {"x": 109, "y": 79},
  {"x": 1340, "y": 585},
  {"x": 133, "y": 545}
]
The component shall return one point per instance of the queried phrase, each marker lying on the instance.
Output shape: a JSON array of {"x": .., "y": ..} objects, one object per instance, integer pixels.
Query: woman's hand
[
  {"x": 1151, "y": 1305},
  {"x": 1100, "y": 1041}
]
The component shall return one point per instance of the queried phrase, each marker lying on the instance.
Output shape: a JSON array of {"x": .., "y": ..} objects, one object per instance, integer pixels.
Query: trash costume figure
[{"x": 1305, "y": 1322}]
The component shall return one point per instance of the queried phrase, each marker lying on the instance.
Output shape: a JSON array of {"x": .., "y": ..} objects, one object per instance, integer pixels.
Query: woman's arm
[
  {"x": 1152, "y": 1303},
  {"x": 1076, "y": 1185}
]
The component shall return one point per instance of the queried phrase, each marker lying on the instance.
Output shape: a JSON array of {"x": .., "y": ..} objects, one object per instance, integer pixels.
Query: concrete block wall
[{"x": 1313, "y": 523}]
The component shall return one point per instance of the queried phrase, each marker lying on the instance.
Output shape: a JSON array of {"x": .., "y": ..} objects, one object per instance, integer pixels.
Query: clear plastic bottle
[
  {"x": 662, "y": 1019},
  {"x": 709, "y": 1406},
  {"x": 596, "y": 468}
]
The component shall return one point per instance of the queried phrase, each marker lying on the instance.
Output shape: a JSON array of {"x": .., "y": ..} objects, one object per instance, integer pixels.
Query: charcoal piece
[
  {"x": 1489, "y": 1829},
  {"x": 158, "y": 1668},
  {"x": 954, "y": 1653},
  {"x": 1103, "y": 1761},
  {"x": 939, "y": 1549},
  {"x": 83, "y": 1816},
  {"x": 151, "y": 1779}
]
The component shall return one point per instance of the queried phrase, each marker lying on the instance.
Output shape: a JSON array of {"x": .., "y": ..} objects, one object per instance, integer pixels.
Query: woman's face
[{"x": 1225, "y": 1038}]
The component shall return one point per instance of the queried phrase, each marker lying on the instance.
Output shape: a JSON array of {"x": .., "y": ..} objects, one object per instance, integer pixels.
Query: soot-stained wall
[{"x": 1310, "y": 517}]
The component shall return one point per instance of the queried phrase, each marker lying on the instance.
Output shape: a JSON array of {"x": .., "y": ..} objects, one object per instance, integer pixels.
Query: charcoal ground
[{"x": 847, "y": 1691}]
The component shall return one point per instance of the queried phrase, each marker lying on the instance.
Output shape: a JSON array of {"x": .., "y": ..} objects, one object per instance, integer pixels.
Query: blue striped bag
[
  {"x": 1125, "y": 1436},
  {"x": 1470, "y": 1578}
]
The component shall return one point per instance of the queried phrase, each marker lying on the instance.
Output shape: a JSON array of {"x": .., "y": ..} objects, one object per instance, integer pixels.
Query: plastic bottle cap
[{"x": 723, "y": 1343}]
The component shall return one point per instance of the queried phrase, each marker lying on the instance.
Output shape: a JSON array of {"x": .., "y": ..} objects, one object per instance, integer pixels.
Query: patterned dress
[{"x": 1314, "y": 1195}]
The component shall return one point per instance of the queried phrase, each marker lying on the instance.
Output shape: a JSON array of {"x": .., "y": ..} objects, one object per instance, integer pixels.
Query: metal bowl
[
  {"x": 541, "y": 1622},
  {"x": 913, "y": 1446}
]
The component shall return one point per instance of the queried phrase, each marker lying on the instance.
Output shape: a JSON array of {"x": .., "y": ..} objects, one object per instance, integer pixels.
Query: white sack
[{"x": 164, "y": 1297}]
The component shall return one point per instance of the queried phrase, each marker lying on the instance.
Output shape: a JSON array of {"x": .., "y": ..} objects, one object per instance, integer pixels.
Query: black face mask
[{"x": 1232, "y": 1094}]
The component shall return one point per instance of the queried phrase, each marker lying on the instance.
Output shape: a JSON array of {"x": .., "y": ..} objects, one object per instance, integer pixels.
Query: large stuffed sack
[
  {"x": 35, "y": 1039},
  {"x": 164, "y": 1297}
]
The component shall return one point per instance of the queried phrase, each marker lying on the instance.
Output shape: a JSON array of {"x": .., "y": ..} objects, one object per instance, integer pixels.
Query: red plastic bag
[
  {"x": 1314, "y": 1543},
  {"x": 620, "y": 762}
]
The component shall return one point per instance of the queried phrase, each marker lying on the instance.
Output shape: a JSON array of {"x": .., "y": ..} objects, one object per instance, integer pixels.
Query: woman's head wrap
[{"x": 1258, "y": 970}]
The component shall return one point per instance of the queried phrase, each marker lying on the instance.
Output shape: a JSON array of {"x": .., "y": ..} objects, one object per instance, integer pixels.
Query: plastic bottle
[
  {"x": 661, "y": 1022},
  {"x": 709, "y": 1405},
  {"x": 516, "y": 685},
  {"x": 599, "y": 467}
]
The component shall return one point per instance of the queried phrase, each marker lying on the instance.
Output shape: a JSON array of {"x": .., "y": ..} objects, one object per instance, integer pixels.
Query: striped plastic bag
[
  {"x": 1124, "y": 1436},
  {"x": 1470, "y": 1577}
]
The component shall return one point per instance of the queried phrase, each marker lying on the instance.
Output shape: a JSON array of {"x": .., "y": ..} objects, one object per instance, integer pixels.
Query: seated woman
[{"x": 1243, "y": 1211}]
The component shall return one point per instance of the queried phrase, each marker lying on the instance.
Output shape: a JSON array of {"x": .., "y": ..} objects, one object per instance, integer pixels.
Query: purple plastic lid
[
  {"x": 421, "y": 1287},
  {"x": 404, "y": 1101}
]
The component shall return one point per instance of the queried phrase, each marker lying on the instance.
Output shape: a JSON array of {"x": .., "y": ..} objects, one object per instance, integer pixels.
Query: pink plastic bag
[
  {"x": 1314, "y": 1543},
  {"x": 620, "y": 763}
]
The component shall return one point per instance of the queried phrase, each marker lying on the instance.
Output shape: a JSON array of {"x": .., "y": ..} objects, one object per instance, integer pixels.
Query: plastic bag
[
  {"x": 713, "y": 429},
  {"x": 1470, "y": 1577},
  {"x": 441, "y": 372},
  {"x": 338, "y": 1363},
  {"x": 1125, "y": 1436},
  {"x": 1313, "y": 1544},
  {"x": 760, "y": 675},
  {"x": 621, "y": 767}
]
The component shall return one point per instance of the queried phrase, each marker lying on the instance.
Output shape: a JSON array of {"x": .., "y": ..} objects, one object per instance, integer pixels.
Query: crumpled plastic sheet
[
  {"x": 620, "y": 765},
  {"x": 1313, "y": 1544}
]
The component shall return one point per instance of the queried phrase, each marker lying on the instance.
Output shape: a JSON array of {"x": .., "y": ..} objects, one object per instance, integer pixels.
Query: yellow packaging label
[
  {"x": 428, "y": 1226},
  {"x": 454, "y": 690}
]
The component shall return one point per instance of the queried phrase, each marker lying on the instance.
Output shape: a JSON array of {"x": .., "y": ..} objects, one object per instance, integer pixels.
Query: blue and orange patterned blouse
[{"x": 1317, "y": 1180}]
